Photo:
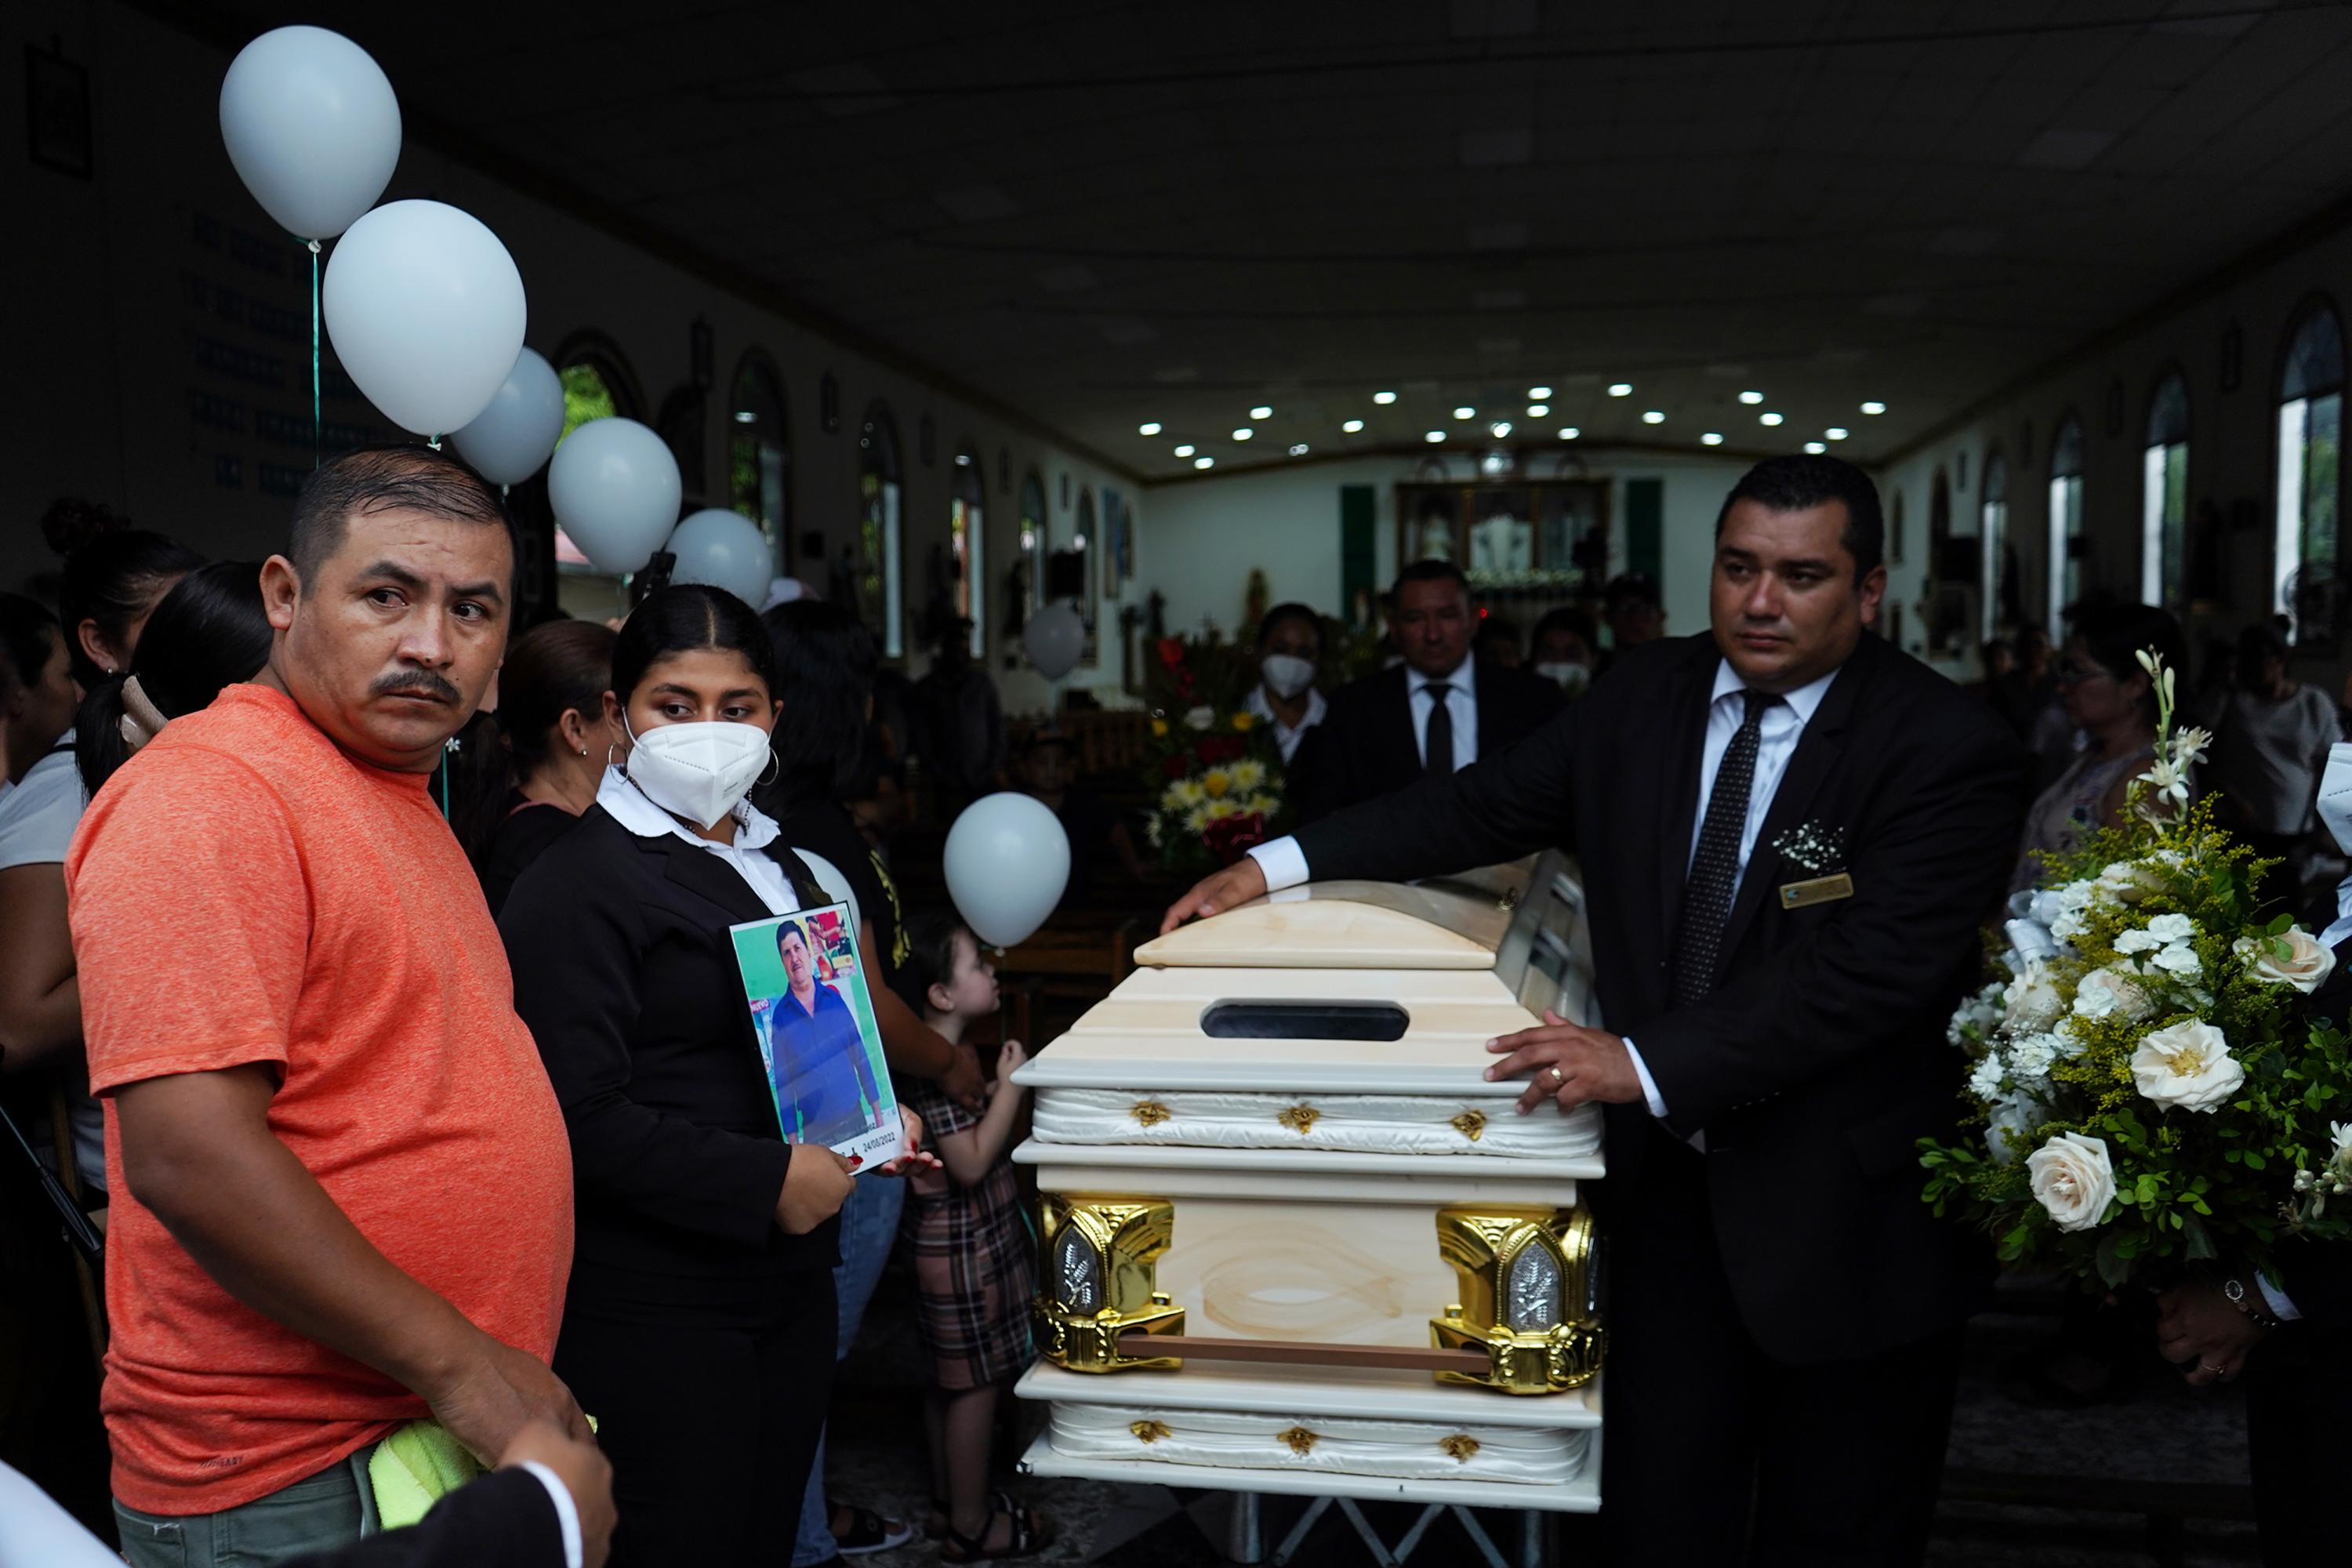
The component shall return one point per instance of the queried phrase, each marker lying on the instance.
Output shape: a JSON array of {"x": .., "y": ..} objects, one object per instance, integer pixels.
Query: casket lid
[{"x": 1452, "y": 923}]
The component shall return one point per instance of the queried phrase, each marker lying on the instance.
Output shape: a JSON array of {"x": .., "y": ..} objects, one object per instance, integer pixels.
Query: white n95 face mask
[
  {"x": 1570, "y": 677},
  {"x": 699, "y": 771},
  {"x": 1287, "y": 674}
]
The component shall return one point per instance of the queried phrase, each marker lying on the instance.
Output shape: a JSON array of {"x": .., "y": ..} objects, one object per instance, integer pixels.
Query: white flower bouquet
[{"x": 2153, "y": 1087}]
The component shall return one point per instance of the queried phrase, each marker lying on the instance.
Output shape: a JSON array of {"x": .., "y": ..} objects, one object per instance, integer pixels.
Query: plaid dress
[{"x": 972, "y": 1262}]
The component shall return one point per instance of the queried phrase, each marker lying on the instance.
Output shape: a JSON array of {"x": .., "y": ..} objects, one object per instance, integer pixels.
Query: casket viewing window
[{"x": 1304, "y": 1021}]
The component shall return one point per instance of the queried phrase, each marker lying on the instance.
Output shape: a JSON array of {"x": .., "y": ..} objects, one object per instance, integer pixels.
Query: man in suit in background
[
  {"x": 1439, "y": 710},
  {"x": 1789, "y": 834}
]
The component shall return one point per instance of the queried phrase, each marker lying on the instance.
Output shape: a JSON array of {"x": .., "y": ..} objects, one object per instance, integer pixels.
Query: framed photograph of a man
[{"x": 819, "y": 1044}]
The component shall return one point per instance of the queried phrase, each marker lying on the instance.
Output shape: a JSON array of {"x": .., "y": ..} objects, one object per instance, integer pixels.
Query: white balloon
[
  {"x": 1054, "y": 637},
  {"x": 312, "y": 126},
  {"x": 1007, "y": 863},
  {"x": 512, "y": 437},
  {"x": 725, "y": 550},
  {"x": 614, "y": 487},
  {"x": 426, "y": 310}
]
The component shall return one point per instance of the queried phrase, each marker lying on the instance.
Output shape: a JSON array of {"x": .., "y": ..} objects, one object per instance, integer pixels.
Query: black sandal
[
  {"x": 869, "y": 1531},
  {"x": 935, "y": 1523},
  {"x": 1029, "y": 1536}
]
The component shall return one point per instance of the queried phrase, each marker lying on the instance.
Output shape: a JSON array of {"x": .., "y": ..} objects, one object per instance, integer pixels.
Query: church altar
[{"x": 1292, "y": 1240}]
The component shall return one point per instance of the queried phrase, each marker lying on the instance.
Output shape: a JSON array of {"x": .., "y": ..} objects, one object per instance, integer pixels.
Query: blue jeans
[
  {"x": 869, "y": 1224},
  {"x": 332, "y": 1508}
]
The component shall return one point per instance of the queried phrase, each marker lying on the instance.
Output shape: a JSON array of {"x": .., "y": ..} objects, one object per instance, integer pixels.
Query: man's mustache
[{"x": 416, "y": 683}]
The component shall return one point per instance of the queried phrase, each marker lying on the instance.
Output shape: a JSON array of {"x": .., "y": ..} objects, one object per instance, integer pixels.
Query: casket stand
[{"x": 1293, "y": 1241}]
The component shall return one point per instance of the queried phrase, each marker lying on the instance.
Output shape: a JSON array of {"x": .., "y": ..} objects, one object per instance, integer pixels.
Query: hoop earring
[
  {"x": 775, "y": 771},
  {"x": 609, "y": 750}
]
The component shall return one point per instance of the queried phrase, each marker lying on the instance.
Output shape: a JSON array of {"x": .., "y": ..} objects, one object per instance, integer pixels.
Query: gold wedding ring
[{"x": 1558, "y": 1077}]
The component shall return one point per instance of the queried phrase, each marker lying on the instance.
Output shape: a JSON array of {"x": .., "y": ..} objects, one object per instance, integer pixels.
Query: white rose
[
  {"x": 2127, "y": 883},
  {"x": 2305, "y": 967},
  {"x": 2181, "y": 960},
  {"x": 2107, "y": 990},
  {"x": 2073, "y": 1179},
  {"x": 2137, "y": 941},
  {"x": 2186, "y": 1067},
  {"x": 2030, "y": 1002},
  {"x": 2172, "y": 928}
]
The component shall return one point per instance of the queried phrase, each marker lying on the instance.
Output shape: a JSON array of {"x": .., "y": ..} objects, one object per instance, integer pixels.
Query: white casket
[{"x": 1292, "y": 1240}]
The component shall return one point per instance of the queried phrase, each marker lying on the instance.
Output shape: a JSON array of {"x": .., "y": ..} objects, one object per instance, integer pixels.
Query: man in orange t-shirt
[{"x": 343, "y": 1189}]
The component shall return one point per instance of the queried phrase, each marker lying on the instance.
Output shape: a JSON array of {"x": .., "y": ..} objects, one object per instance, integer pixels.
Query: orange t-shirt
[{"x": 243, "y": 892}]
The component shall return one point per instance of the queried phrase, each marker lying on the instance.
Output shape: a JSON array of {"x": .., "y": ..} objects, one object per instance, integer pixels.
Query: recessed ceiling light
[
  {"x": 964, "y": 459},
  {"x": 1621, "y": 389},
  {"x": 1500, "y": 428},
  {"x": 1537, "y": 410},
  {"x": 1262, "y": 411},
  {"x": 1767, "y": 419},
  {"x": 745, "y": 416},
  {"x": 1148, "y": 428},
  {"x": 1434, "y": 436},
  {"x": 1204, "y": 462},
  {"x": 1352, "y": 426},
  {"x": 1751, "y": 398},
  {"x": 1815, "y": 448},
  {"x": 1384, "y": 398},
  {"x": 1569, "y": 432},
  {"x": 1077, "y": 541},
  {"x": 1712, "y": 438},
  {"x": 1653, "y": 416},
  {"x": 1465, "y": 412},
  {"x": 1243, "y": 434},
  {"x": 1835, "y": 432},
  {"x": 1539, "y": 393},
  {"x": 1298, "y": 449},
  {"x": 1184, "y": 451},
  {"x": 1874, "y": 406}
]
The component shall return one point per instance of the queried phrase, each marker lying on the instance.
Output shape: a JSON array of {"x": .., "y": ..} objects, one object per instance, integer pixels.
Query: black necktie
[
  {"x": 1714, "y": 867},
  {"x": 1437, "y": 738}
]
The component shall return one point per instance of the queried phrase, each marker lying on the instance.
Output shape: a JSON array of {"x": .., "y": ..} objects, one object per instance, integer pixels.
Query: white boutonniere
[{"x": 1812, "y": 845}]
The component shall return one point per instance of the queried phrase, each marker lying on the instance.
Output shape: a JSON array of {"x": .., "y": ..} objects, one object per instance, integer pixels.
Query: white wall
[
  {"x": 115, "y": 328},
  {"x": 1206, "y": 535}
]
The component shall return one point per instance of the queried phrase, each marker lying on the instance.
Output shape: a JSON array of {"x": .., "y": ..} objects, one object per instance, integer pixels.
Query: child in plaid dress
[{"x": 972, "y": 1264}]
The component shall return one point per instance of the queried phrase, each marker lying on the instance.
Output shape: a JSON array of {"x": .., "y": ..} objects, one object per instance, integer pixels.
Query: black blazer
[
  {"x": 625, "y": 972},
  {"x": 1366, "y": 745},
  {"x": 1820, "y": 1059},
  {"x": 504, "y": 1520}
]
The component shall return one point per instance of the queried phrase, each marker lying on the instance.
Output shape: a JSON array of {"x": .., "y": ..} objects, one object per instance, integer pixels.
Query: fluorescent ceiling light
[
  {"x": 1184, "y": 451},
  {"x": 1204, "y": 462},
  {"x": 1621, "y": 389},
  {"x": 1836, "y": 432},
  {"x": 1539, "y": 393},
  {"x": 1262, "y": 411},
  {"x": 1243, "y": 434},
  {"x": 1874, "y": 406},
  {"x": 1569, "y": 432},
  {"x": 1815, "y": 448},
  {"x": 1500, "y": 427},
  {"x": 1148, "y": 428},
  {"x": 745, "y": 416},
  {"x": 1653, "y": 416},
  {"x": 1298, "y": 449},
  {"x": 1352, "y": 426},
  {"x": 1712, "y": 438},
  {"x": 1434, "y": 436},
  {"x": 1537, "y": 410},
  {"x": 1767, "y": 419},
  {"x": 1465, "y": 412},
  {"x": 1751, "y": 398},
  {"x": 1383, "y": 399}
]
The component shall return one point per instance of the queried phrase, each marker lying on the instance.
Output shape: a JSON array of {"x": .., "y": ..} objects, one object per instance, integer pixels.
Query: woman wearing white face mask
[
  {"x": 698, "y": 1324},
  {"x": 1290, "y": 642}
]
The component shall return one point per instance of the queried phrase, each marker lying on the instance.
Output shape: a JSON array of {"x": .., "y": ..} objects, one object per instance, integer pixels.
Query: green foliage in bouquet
[
  {"x": 1214, "y": 771},
  {"x": 2154, "y": 1087}
]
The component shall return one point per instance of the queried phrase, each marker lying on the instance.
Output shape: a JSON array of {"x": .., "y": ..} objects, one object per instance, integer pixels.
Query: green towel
[{"x": 415, "y": 1467}]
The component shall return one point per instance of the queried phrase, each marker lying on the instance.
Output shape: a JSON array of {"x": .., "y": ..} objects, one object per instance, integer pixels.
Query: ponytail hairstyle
[
  {"x": 113, "y": 576},
  {"x": 209, "y": 632}
]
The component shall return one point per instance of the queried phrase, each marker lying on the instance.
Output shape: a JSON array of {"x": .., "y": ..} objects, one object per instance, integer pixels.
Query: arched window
[
  {"x": 2064, "y": 584},
  {"x": 1998, "y": 584},
  {"x": 2164, "y": 494},
  {"x": 758, "y": 452},
  {"x": 1034, "y": 545},
  {"x": 2310, "y": 436},
  {"x": 968, "y": 538},
  {"x": 1948, "y": 623},
  {"x": 881, "y": 599},
  {"x": 597, "y": 384}
]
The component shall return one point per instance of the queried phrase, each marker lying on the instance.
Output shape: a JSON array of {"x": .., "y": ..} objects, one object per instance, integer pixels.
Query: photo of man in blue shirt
[{"x": 826, "y": 1089}]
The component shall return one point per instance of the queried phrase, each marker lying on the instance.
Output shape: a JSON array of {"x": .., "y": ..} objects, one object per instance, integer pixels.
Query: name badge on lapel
[{"x": 1819, "y": 890}]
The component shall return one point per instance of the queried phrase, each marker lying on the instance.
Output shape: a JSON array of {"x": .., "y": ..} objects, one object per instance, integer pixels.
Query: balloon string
[
  {"x": 435, "y": 442},
  {"x": 318, "y": 424}
]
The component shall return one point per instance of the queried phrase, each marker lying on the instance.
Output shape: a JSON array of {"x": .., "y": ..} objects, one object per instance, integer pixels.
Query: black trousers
[
  {"x": 1714, "y": 1453},
  {"x": 710, "y": 1429},
  {"x": 2298, "y": 1389}
]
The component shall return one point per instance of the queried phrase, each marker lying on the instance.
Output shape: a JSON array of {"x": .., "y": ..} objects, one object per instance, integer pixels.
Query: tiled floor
[{"x": 2168, "y": 1434}]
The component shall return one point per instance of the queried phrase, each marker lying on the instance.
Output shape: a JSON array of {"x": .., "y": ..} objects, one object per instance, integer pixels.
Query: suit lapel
[
  {"x": 709, "y": 878},
  {"x": 1818, "y": 751},
  {"x": 1686, "y": 741}
]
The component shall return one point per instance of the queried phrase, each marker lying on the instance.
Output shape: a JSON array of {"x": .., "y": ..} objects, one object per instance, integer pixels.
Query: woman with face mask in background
[
  {"x": 1289, "y": 647},
  {"x": 1566, "y": 647},
  {"x": 698, "y": 1324}
]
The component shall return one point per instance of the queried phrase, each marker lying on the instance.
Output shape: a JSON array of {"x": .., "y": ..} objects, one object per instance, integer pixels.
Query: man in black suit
[
  {"x": 1376, "y": 737},
  {"x": 1789, "y": 834}
]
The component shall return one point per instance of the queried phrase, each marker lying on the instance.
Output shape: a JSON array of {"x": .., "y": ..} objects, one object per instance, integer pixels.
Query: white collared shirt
[
  {"x": 1461, "y": 701},
  {"x": 1284, "y": 735},
  {"x": 754, "y": 829}
]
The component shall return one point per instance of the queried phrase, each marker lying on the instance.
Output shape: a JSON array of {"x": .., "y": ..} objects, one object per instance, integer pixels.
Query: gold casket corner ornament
[
  {"x": 1529, "y": 1286},
  {"x": 1101, "y": 1256}
]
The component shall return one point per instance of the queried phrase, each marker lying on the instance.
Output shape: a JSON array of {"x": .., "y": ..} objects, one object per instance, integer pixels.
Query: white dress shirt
[
  {"x": 1461, "y": 701},
  {"x": 1285, "y": 864},
  {"x": 1285, "y": 737},
  {"x": 754, "y": 829}
]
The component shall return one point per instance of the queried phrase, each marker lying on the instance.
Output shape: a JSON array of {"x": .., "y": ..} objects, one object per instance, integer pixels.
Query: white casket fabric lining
[
  {"x": 1353, "y": 1123},
  {"x": 1404, "y": 1450}
]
